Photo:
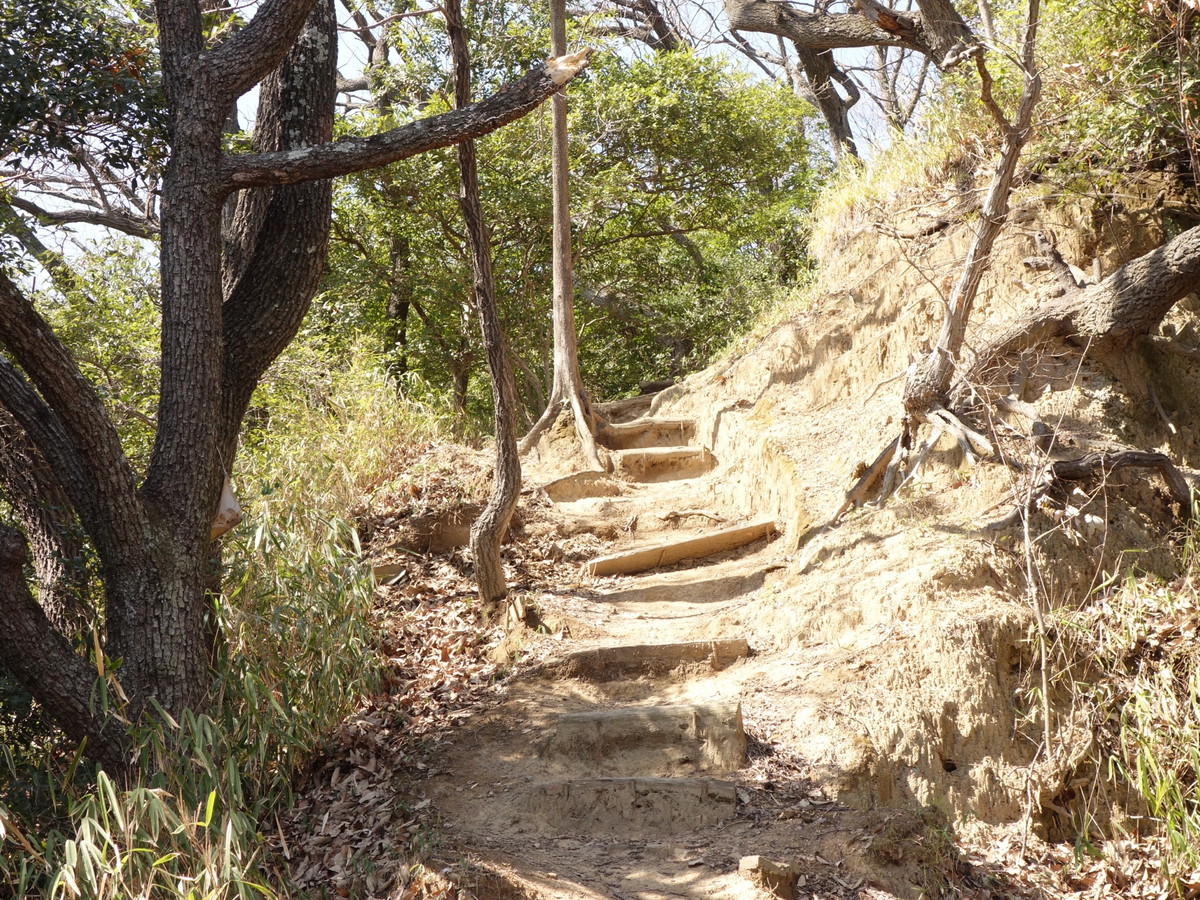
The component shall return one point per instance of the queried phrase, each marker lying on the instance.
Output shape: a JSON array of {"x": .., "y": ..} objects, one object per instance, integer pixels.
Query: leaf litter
[{"x": 360, "y": 826}]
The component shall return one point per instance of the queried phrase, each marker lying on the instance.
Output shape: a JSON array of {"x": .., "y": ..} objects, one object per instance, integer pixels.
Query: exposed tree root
[
  {"x": 1049, "y": 476},
  {"x": 586, "y": 420},
  {"x": 974, "y": 445},
  {"x": 871, "y": 478},
  {"x": 891, "y": 469}
]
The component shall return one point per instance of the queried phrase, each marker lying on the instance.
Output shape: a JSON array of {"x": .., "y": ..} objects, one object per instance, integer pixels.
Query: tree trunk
[
  {"x": 1109, "y": 316},
  {"x": 928, "y": 386},
  {"x": 566, "y": 392},
  {"x": 43, "y": 661},
  {"x": 223, "y": 322},
  {"x": 821, "y": 72},
  {"x": 488, "y": 531},
  {"x": 399, "y": 306},
  {"x": 48, "y": 520}
]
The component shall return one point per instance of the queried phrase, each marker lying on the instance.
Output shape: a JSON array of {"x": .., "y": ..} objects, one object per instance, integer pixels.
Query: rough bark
[
  {"x": 47, "y": 517},
  {"x": 816, "y": 31},
  {"x": 281, "y": 235},
  {"x": 488, "y": 531},
  {"x": 43, "y": 661},
  {"x": 566, "y": 392},
  {"x": 1109, "y": 316},
  {"x": 63, "y": 416},
  {"x": 1133, "y": 300}
]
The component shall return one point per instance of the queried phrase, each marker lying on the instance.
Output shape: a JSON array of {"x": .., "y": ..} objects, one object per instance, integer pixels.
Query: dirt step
[
  {"x": 626, "y": 410},
  {"x": 631, "y": 807},
  {"x": 644, "y": 433},
  {"x": 651, "y": 740},
  {"x": 653, "y": 464},
  {"x": 616, "y": 663},
  {"x": 643, "y": 558},
  {"x": 582, "y": 485}
]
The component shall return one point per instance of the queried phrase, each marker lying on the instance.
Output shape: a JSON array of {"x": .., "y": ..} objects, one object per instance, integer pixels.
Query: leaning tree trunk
[
  {"x": 487, "y": 534},
  {"x": 49, "y": 524},
  {"x": 566, "y": 392},
  {"x": 928, "y": 386},
  {"x": 927, "y": 389}
]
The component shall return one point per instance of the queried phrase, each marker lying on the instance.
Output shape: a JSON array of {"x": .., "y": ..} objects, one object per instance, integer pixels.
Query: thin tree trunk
[
  {"x": 487, "y": 534},
  {"x": 398, "y": 306},
  {"x": 928, "y": 386},
  {"x": 567, "y": 391}
]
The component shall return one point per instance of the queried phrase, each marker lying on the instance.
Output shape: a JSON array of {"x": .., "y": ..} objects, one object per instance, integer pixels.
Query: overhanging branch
[
  {"x": 510, "y": 103},
  {"x": 819, "y": 31}
]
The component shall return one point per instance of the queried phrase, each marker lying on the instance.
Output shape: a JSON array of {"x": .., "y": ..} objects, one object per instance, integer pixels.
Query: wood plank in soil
[
  {"x": 613, "y": 663},
  {"x": 630, "y": 806},
  {"x": 651, "y": 740},
  {"x": 665, "y": 554}
]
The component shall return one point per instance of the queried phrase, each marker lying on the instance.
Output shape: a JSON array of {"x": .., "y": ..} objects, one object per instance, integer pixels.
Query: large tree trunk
[
  {"x": 488, "y": 531},
  {"x": 222, "y": 325}
]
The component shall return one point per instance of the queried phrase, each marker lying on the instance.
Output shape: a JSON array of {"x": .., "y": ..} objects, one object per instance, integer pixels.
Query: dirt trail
[
  {"x": 649, "y": 747},
  {"x": 892, "y": 741}
]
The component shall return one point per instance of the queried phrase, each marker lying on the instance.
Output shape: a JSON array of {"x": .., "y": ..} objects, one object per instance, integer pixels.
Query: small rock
[{"x": 778, "y": 878}]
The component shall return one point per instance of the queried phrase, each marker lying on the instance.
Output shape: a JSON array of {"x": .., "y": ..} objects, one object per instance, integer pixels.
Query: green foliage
[
  {"x": 690, "y": 184},
  {"x": 298, "y": 654},
  {"x": 112, "y": 328},
  {"x": 76, "y": 74},
  {"x": 1120, "y": 84}
]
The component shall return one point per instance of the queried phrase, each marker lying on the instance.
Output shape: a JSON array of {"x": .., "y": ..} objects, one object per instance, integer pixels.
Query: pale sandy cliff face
[{"x": 918, "y": 617}]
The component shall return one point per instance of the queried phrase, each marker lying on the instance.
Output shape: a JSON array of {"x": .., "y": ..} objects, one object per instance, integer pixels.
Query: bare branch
[
  {"x": 511, "y": 102},
  {"x": 114, "y": 219}
]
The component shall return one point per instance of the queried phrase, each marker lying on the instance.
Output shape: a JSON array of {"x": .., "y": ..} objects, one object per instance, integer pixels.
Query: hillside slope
[{"x": 719, "y": 688}]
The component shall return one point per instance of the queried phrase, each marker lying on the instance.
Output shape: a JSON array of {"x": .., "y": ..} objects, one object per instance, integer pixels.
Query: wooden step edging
[
  {"x": 652, "y": 464},
  {"x": 647, "y": 433},
  {"x": 639, "y": 560},
  {"x": 613, "y": 663}
]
